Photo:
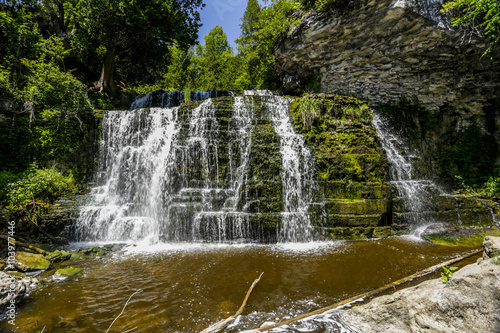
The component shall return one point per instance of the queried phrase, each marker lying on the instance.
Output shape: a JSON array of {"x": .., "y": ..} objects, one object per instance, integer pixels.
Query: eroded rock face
[
  {"x": 469, "y": 302},
  {"x": 491, "y": 247},
  {"x": 384, "y": 49}
]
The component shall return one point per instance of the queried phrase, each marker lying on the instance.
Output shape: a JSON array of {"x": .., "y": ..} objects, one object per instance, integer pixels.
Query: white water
[
  {"x": 160, "y": 177},
  {"x": 297, "y": 174},
  {"x": 133, "y": 176},
  {"x": 415, "y": 192}
]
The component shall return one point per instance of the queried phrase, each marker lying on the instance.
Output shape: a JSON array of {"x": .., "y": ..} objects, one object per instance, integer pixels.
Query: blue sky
[{"x": 226, "y": 13}]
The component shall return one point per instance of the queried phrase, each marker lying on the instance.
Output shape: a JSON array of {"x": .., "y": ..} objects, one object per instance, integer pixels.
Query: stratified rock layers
[{"x": 381, "y": 52}]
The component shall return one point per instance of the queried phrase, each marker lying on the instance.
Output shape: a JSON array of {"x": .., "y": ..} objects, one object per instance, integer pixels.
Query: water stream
[
  {"x": 189, "y": 286},
  {"x": 414, "y": 193}
]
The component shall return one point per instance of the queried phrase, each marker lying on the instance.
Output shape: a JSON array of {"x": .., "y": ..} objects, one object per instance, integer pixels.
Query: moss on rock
[{"x": 29, "y": 262}]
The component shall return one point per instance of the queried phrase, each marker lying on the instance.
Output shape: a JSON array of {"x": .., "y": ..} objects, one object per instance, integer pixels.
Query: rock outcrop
[
  {"x": 468, "y": 302},
  {"x": 13, "y": 289},
  {"x": 382, "y": 49}
]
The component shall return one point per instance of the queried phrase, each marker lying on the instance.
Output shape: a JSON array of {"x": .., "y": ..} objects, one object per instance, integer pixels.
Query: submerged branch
[
  {"x": 123, "y": 310},
  {"x": 367, "y": 294},
  {"x": 219, "y": 326}
]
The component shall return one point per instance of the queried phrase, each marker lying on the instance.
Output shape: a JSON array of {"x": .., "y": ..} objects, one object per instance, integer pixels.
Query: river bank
[{"x": 468, "y": 302}]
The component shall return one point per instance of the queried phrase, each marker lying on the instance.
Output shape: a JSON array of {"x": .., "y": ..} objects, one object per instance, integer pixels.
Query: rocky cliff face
[{"x": 383, "y": 49}]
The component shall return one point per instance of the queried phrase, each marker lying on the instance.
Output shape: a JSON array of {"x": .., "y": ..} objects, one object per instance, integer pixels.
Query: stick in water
[
  {"x": 137, "y": 291},
  {"x": 219, "y": 326}
]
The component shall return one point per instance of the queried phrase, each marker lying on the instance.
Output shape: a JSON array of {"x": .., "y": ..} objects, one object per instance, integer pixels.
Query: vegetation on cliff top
[{"x": 477, "y": 16}]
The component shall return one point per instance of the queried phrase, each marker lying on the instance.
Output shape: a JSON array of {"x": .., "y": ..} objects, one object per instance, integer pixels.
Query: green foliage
[
  {"x": 39, "y": 185},
  {"x": 447, "y": 273},
  {"x": 137, "y": 34},
  {"x": 214, "y": 63},
  {"x": 310, "y": 109},
  {"x": 261, "y": 28},
  {"x": 324, "y": 5},
  {"x": 477, "y": 16},
  {"x": 54, "y": 92},
  {"x": 492, "y": 186}
]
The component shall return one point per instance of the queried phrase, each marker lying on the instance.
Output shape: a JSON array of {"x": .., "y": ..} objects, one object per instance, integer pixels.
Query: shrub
[
  {"x": 39, "y": 184},
  {"x": 492, "y": 186},
  {"x": 54, "y": 92}
]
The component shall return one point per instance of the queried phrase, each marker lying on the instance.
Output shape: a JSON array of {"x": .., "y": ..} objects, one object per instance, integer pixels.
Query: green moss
[
  {"x": 28, "y": 262},
  {"x": 474, "y": 240},
  {"x": 67, "y": 272},
  {"x": 58, "y": 256},
  {"x": 355, "y": 233}
]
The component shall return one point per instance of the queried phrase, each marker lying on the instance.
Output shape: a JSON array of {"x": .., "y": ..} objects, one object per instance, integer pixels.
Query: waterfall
[
  {"x": 133, "y": 174},
  {"x": 297, "y": 173},
  {"x": 414, "y": 195},
  {"x": 180, "y": 173}
]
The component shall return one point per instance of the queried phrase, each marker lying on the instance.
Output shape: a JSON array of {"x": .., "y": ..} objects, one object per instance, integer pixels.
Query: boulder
[
  {"x": 468, "y": 302},
  {"x": 58, "y": 256},
  {"x": 13, "y": 289},
  {"x": 67, "y": 272},
  {"x": 29, "y": 262},
  {"x": 491, "y": 247}
]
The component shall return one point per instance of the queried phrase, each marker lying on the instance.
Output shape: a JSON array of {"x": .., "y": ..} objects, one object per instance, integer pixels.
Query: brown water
[{"x": 187, "y": 287}]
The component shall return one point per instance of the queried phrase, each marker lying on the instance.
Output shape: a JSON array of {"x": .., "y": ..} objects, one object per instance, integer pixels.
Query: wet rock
[
  {"x": 491, "y": 247},
  {"x": 67, "y": 272},
  {"x": 13, "y": 289},
  {"x": 469, "y": 302},
  {"x": 444, "y": 229},
  {"x": 58, "y": 256},
  {"x": 29, "y": 262}
]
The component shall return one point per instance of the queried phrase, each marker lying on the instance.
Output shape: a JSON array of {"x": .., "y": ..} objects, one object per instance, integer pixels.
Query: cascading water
[
  {"x": 297, "y": 173},
  {"x": 178, "y": 174},
  {"x": 414, "y": 195},
  {"x": 133, "y": 172}
]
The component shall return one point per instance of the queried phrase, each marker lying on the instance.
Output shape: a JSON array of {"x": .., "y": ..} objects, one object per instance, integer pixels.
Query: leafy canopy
[{"x": 477, "y": 15}]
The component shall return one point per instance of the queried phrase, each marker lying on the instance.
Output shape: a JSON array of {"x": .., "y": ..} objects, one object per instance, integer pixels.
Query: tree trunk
[{"x": 107, "y": 81}]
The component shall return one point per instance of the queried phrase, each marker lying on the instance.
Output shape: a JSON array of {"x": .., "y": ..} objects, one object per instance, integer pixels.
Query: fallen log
[
  {"x": 219, "y": 326},
  {"x": 367, "y": 294},
  {"x": 21, "y": 244}
]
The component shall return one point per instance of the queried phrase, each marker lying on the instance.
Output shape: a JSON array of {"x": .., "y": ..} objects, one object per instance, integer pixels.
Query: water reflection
[{"x": 188, "y": 287}]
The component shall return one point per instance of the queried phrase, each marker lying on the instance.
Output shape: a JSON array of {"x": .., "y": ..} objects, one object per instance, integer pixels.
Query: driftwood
[
  {"x": 367, "y": 294},
  {"x": 219, "y": 326},
  {"x": 21, "y": 244},
  {"x": 123, "y": 310}
]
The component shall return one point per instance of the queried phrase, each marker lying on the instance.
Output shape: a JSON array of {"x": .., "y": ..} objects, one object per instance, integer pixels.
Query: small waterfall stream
[
  {"x": 414, "y": 194},
  {"x": 298, "y": 174},
  {"x": 178, "y": 174}
]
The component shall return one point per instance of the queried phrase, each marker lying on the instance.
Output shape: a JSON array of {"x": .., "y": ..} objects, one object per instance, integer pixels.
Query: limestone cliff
[{"x": 383, "y": 49}]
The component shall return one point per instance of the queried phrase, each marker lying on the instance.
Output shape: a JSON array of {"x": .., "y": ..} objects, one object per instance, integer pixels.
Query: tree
[
  {"x": 477, "y": 15},
  {"x": 261, "y": 28},
  {"x": 138, "y": 30},
  {"x": 215, "y": 62},
  {"x": 180, "y": 69}
]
